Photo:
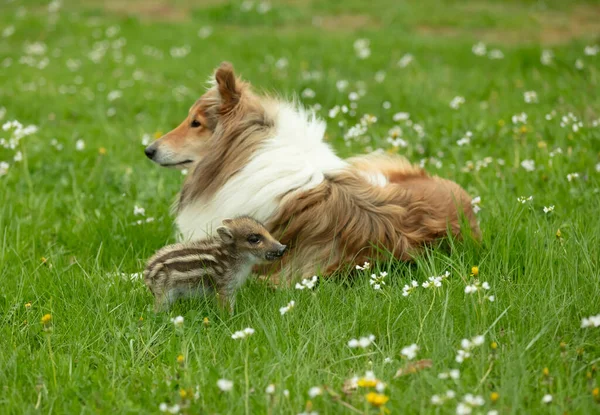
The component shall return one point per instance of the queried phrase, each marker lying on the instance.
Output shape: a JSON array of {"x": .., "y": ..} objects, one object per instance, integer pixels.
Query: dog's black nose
[
  {"x": 281, "y": 250},
  {"x": 150, "y": 152}
]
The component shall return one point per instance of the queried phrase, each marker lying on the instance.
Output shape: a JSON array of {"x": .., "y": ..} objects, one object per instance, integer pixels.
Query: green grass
[{"x": 106, "y": 351}]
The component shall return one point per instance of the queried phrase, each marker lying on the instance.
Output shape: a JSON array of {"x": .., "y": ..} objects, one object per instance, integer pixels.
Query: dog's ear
[{"x": 226, "y": 84}]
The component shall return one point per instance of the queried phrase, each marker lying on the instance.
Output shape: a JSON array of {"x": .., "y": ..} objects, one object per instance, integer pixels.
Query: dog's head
[{"x": 191, "y": 140}]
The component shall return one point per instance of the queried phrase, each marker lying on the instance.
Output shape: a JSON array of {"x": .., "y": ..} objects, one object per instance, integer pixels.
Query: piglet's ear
[
  {"x": 226, "y": 84},
  {"x": 225, "y": 234}
]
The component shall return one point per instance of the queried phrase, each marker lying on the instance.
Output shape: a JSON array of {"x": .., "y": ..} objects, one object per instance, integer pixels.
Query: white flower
[
  {"x": 177, "y": 321},
  {"x": 365, "y": 266},
  {"x": 410, "y": 352},
  {"x": 308, "y": 93},
  {"x": 361, "y": 47},
  {"x": 519, "y": 118},
  {"x": 401, "y": 116},
  {"x": 478, "y": 340},
  {"x": 4, "y": 168},
  {"x": 8, "y": 31},
  {"x": 242, "y": 334},
  {"x": 579, "y": 64},
  {"x": 407, "y": 289},
  {"x": 547, "y": 399},
  {"x": 315, "y": 391},
  {"x": 572, "y": 176},
  {"x": 457, "y": 102},
  {"x": 80, "y": 145},
  {"x": 263, "y": 7},
  {"x": 287, "y": 308},
  {"x": 548, "y": 209},
  {"x": 528, "y": 165},
  {"x": 307, "y": 283},
  {"x": 479, "y": 49},
  {"x": 378, "y": 281},
  {"x": 205, "y": 32},
  {"x": 388, "y": 360},
  {"x": 495, "y": 54},
  {"x": 270, "y": 389},
  {"x": 436, "y": 400},
  {"x": 405, "y": 60},
  {"x": 591, "y": 50},
  {"x": 286, "y": 393},
  {"x": 181, "y": 51},
  {"x": 530, "y": 97},
  {"x": 163, "y": 407},
  {"x": 225, "y": 385},
  {"x": 453, "y": 374},
  {"x": 592, "y": 321},
  {"x": 432, "y": 282},
  {"x": 492, "y": 412},
  {"x": 475, "y": 204},
  {"x": 341, "y": 85},
  {"x": 523, "y": 199},
  {"x": 362, "y": 342},
  {"x": 547, "y": 57},
  {"x": 113, "y": 95},
  {"x": 462, "y": 409},
  {"x": 379, "y": 76},
  {"x": 468, "y": 345},
  {"x": 137, "y": 210},
  {"x": 18, "y": 157}
]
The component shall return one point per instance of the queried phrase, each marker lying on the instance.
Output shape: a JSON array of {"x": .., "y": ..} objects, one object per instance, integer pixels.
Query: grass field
[{"x": 77, "y": 330}]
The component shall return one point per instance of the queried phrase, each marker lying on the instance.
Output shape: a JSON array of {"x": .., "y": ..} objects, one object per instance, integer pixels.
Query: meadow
[{"x": 501, "y": 97}]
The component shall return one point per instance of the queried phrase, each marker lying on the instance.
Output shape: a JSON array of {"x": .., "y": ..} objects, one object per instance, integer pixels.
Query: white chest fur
[{"x": 294, "y": 159}]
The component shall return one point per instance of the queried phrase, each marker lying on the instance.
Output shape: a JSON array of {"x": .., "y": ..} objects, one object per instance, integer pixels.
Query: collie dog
[{"x": 263, "y": 157}]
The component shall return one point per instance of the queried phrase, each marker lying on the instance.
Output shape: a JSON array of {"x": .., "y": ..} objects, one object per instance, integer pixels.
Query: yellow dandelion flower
[
  {"x": 158, "y": 134},
  {"x": 563, "y": 345},
  {"x": 558, "y": 233},
  {"x": 523, "y": 129},
  {"x": 494, "y": 345},
  {"x": 494, "y": 397},
  {"x": 205, "y": 321},
  {"x": 180, "y": 359},
  {"x": 46, "y": 319},
  {"x": 28, "y": 305},
  {"x": 183, "y": 393},
  {"x": 501, "y": 123},
  {"x": 367, "y": 383},
  {"x": 596, "y": 394},
  {"x": 141, "y": 318},
  {"x": 102, "y": 151},
  {"x": 43, "y": 260},
  {"x": 377, "y": 399},
  {"x": 475, "y": 271},
  {"x": 546, "y": 372}
]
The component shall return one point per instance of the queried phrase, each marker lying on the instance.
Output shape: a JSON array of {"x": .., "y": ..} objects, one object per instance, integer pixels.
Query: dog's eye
[
  {"x": 195, "y": 124},
  {"x": 254, "y": 239}
]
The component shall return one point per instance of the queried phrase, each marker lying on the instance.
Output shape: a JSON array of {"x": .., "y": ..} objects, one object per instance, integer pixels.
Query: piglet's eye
[
  {"x": 195, "y": 124},
  {"x": 254, "y": 239}
]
